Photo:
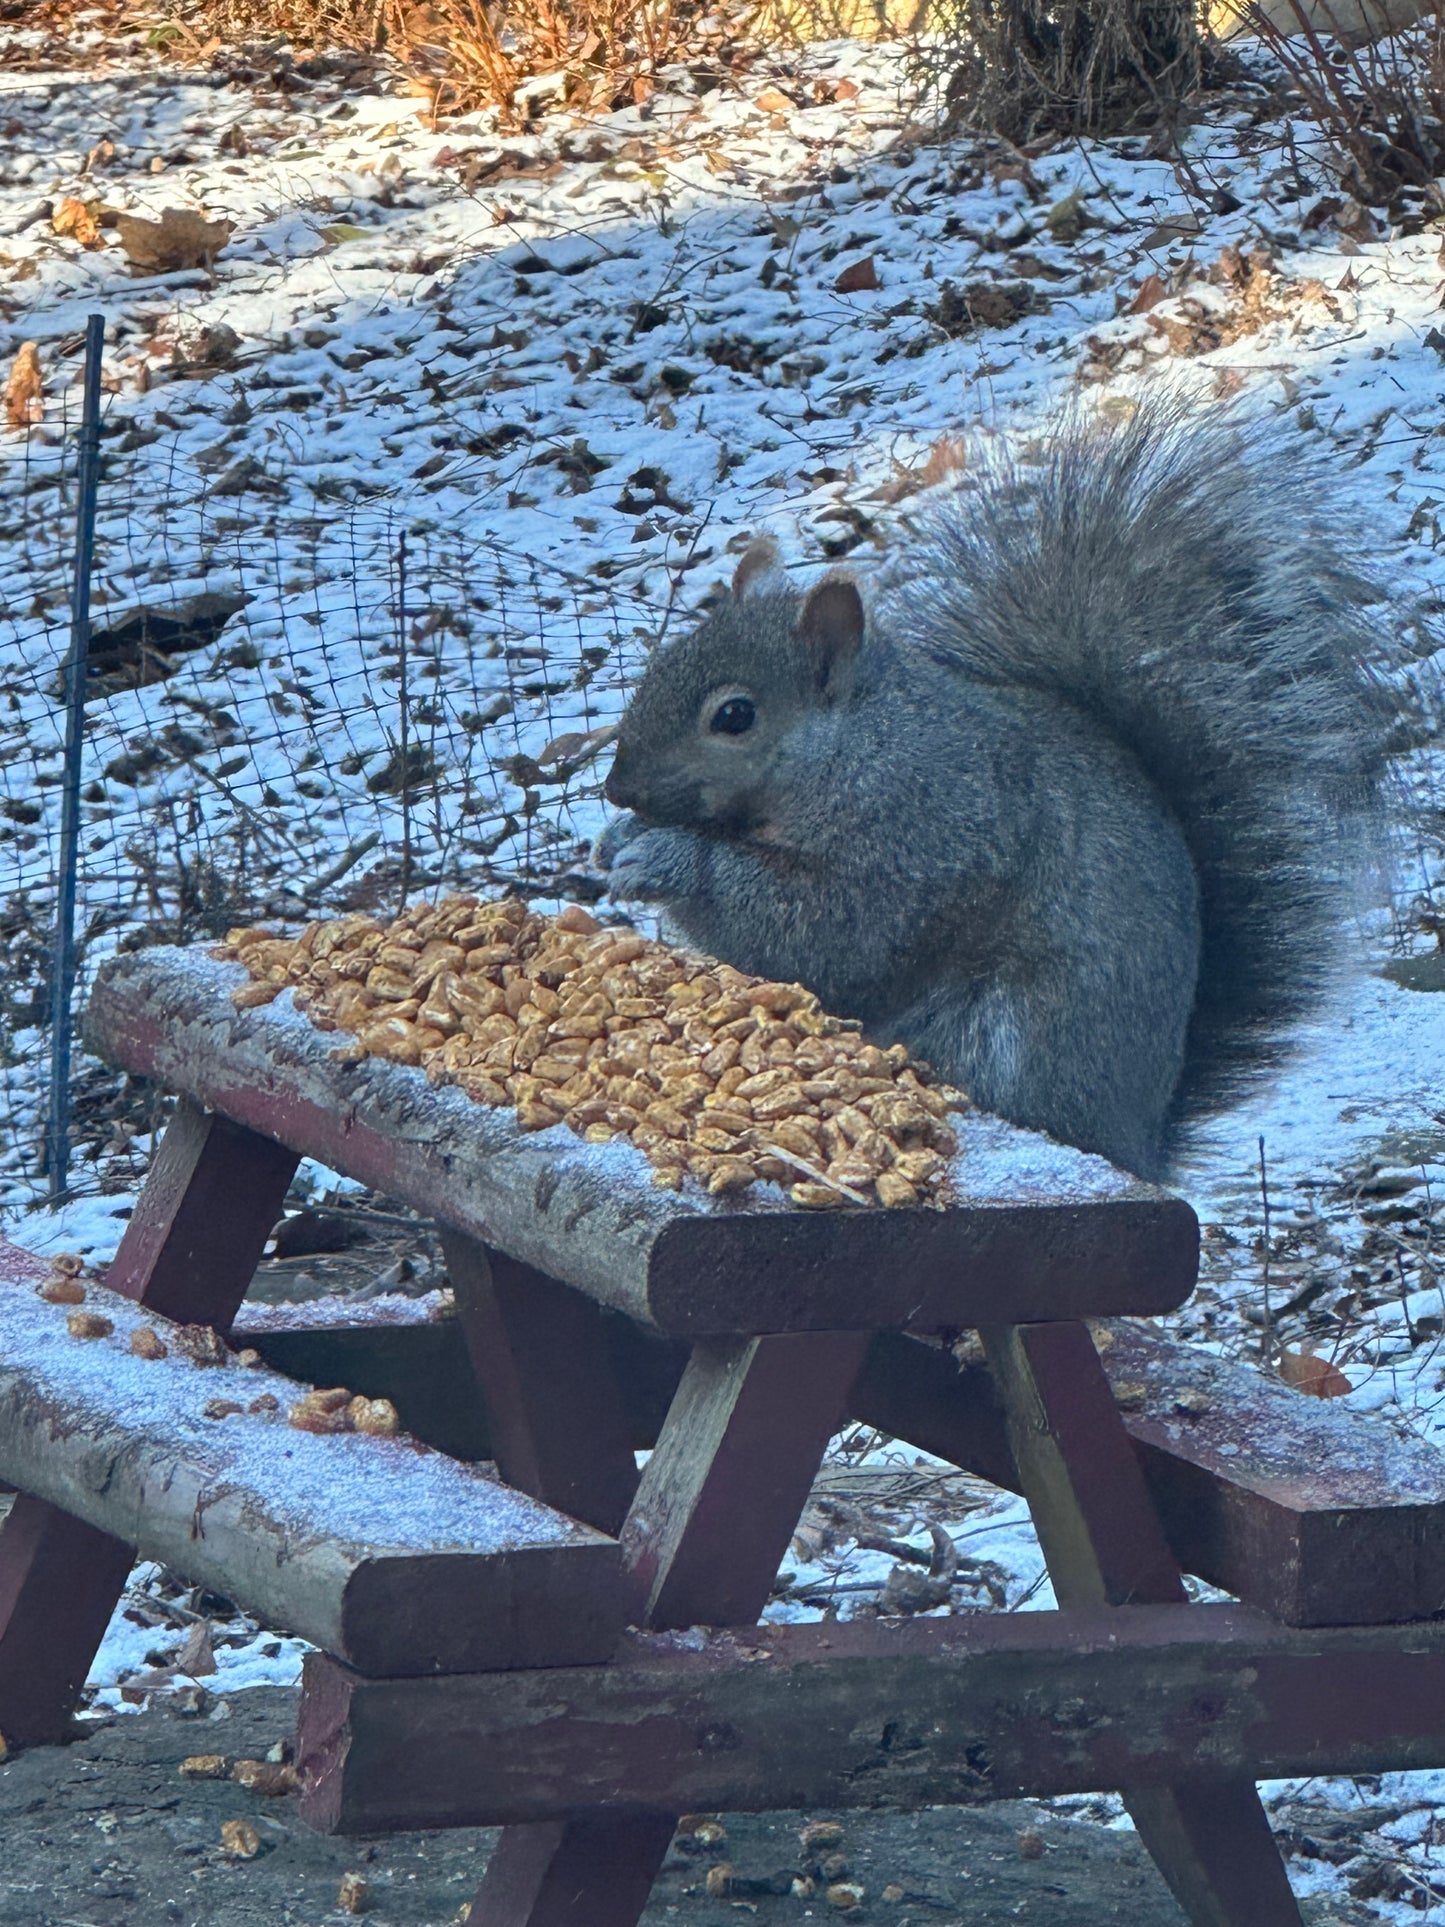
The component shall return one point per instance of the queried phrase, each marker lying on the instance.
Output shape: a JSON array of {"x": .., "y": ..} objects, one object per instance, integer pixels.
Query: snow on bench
[
  {"x": 1305, "y": 1508},
  {"x": 1317, "y": 1514},
  {"x": 1039, "y": 1231},
  {"x": 393, "y": 1557}
]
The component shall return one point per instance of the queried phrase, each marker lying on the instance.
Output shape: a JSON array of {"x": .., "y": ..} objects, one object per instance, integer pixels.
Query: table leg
[
  {"x": 556, "y": 1415},
  {"x": 212, "y": 1196},
  {"x": 715, "y": 1509},
  {"x": 596, "y": 1871},
  {"x": 59, "y": 1583},
  {"x": 1104, "y": 1544}
]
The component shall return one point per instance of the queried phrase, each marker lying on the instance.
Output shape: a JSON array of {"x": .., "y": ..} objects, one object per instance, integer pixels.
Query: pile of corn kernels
[{"x": 712, "y": 1074}]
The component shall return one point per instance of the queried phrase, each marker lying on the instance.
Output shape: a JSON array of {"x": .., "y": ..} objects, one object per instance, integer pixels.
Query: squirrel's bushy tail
[{"x": 1187, "y": 586}]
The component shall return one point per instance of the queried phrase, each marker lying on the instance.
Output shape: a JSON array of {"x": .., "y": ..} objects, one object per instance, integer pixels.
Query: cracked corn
[{"x": 712, "y": 1074}]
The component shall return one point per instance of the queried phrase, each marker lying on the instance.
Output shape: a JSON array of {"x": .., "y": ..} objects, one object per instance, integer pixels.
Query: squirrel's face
[{"x": 711, "y": 719}]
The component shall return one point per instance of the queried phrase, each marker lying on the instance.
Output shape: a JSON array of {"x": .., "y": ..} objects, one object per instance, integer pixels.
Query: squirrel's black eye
[{"x": 735, "y": 717}]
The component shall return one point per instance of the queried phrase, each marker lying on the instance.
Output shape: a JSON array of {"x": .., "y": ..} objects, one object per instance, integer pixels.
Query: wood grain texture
[
  {"x": 712, "y": 1516},
  {"x": 596, "y": 1870},
  {"x": 1097, "y": 1525},
  {"x": 555, "y": 1413},
  {"x": 400, "y": 1560},
  {"x": 190, "y": 1250},
  {"x": 902, "y": 1713},
  {"x": 728, "y": 1479},
  {"x": 200, "y": 1224},
  {"x": 1039, "y": 1230},
  {"x": 59, "y": 1583}
]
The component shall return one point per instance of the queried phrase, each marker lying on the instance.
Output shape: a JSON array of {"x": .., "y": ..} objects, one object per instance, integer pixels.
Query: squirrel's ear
[
  {"x": 830, "y": 624},
  {"x": 759, "y": 570}
]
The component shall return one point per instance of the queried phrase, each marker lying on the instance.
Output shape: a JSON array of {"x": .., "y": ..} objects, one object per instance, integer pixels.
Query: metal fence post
[
  {"x": 62, "y": 977},
  {"x": 404, "y": 746}
]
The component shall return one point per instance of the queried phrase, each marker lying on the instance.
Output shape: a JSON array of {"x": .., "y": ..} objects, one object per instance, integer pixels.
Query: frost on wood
[
  {"x": 394, "y": 1557},
  {"x": 1072, "y": 1237}
]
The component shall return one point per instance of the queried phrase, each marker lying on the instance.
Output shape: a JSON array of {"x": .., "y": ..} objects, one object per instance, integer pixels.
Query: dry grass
[
  {"x": 521, "y": 56},
  {"x": 592, "y": 51},
  {"x": 1024, "y": 68}
]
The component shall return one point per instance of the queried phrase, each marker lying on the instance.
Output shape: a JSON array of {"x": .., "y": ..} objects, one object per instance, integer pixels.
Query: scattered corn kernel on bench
[{"x": 574, "y": 1653}]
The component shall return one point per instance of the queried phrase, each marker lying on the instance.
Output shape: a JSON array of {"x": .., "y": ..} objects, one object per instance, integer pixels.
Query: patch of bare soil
[{"x": 110, "y": 1832}]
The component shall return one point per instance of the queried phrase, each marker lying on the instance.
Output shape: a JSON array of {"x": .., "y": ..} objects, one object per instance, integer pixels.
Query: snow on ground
[
  {"x": 577, "y": 367},
  {"x": 145, "y": 1649}
]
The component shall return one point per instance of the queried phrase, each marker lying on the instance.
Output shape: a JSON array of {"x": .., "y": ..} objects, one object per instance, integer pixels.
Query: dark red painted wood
[
  {"x": 59, "y": 1583},
  {"x": 878, "y": 1713},
  {"x": 199, "y": 1227},
  {"x": 421, "y": 1366},
  {"x": 714, "y": 1511},
  {"x": 1091, "y": 1509},
  {"x": 596, "y": 1871},
  {"x": 1210, "y": 1839},
  {"x": 210, "y": 1201},
  {"x": 1314, "y": 1512},
  {"x": 540, "y": 1355},
  {"x": 1318, "y": 1515},
  {"x": 1104, "y": 1544},
  {"x": 731, "y": 1472}
]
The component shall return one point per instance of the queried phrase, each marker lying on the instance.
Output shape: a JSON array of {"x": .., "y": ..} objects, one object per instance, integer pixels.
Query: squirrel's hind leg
[{"x": 1022, "y": 1056}]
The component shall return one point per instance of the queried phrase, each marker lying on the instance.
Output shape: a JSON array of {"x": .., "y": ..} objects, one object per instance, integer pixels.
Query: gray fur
[{"x": 1075, "y": 821}]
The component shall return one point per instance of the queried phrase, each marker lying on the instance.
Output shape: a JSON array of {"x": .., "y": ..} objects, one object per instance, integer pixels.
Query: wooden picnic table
[{"x": 598, "y": 1313}]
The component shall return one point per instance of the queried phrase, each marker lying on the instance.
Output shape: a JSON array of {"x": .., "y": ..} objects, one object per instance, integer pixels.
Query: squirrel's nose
[{"x": 623, "y": 794}]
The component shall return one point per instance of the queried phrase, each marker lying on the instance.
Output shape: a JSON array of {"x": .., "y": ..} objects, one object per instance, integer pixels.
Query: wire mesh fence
[{"x": 293, "y": 706}]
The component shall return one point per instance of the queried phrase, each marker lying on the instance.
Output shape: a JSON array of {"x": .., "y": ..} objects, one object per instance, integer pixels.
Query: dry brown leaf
[
  {"x": 772, "y": 101},
  {"x": 24, "y": 388},
  {"x": 947, "y": 457},
  {"x": 859, "y": 277},
  {"x": 77, "y": 219},
  {"x": 1312, "y": 1375},
  {"x": 1150, "y": 294},
  {"x": 195, "y": 1658},
  {"x": 181, "y": 238}
]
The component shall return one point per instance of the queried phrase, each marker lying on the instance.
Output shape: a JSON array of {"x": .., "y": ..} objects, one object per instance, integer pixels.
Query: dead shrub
[
  {"x": 1024, "y": 68},
  {"x": 1378, "y": 99},
  {"x": 589, "y": 51}
]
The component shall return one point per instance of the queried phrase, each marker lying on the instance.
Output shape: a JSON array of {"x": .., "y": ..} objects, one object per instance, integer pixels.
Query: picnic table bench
[{"x": 570, "y": 1647}]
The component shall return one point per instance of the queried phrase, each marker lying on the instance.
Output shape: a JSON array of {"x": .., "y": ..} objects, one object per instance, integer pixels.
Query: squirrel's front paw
[
  {"x": 618, "y": 831},
  {"x": 651, "y": 866}
]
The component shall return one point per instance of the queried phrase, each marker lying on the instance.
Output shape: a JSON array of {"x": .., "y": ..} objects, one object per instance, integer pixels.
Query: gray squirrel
[{"x": 1068, "y": 806}]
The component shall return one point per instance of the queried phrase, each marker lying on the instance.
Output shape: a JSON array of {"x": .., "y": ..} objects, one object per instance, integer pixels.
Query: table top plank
[{"x": 1038, "y": 1231}]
